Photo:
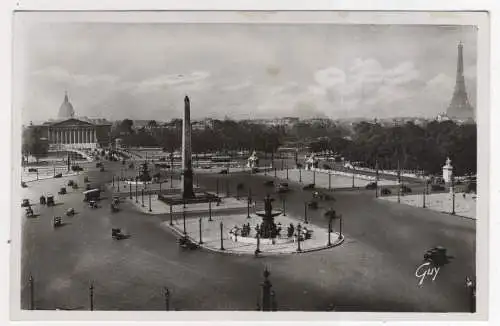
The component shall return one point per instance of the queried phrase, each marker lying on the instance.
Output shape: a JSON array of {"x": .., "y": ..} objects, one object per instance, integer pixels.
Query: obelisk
[{"x": 187, "y": 168}]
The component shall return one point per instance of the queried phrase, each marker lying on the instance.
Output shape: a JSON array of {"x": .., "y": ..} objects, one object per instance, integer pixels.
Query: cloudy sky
[{"x": 143, "y": 71}]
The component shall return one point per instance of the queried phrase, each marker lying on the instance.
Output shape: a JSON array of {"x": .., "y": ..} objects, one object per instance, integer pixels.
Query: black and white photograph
[{"x": 247, "y": 163}]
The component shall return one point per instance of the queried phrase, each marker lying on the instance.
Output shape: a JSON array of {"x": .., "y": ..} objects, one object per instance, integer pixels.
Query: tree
[{"x": 34, "y": 143}]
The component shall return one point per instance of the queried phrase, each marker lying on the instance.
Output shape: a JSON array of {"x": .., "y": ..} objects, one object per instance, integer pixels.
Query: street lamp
[
  {"x": 299, "y": 229},
  {"x": 221, "y": 236},
  {"x": 184, "y": 220},
  {"x": 305, "y": 213},
  {"x": 453, "y": 194}
]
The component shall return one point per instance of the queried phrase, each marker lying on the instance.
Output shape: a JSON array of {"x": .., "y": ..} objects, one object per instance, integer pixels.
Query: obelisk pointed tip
[{"x": 186, "y": 99}]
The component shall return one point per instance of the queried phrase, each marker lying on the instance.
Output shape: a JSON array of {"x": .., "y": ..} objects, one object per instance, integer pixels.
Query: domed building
[
  {"x": 70, "y": 132},
  {"x": 66, "y": 110}
]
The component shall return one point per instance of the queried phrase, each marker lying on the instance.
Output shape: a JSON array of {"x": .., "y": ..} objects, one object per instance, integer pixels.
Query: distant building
[{"x": 68, "y": 131}]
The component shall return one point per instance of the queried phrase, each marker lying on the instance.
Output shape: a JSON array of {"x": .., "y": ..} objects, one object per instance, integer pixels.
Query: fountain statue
[
  {"x": 268, "y": 228},
  {"x": 311, "y": 162},
  {"x": 253, "y": 161}
]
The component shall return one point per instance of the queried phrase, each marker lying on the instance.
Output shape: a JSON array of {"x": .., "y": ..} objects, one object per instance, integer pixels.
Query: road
[{"x": 372, "y": 271}]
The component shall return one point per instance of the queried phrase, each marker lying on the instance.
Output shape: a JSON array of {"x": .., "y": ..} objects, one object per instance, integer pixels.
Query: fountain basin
[
  {"x": 266, "y": 241},
  {"x": 274, "y": 213}
]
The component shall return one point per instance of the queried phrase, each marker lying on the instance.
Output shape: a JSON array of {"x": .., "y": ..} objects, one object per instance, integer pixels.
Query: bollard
[
  {"x": 160, "y": 187},
  {"x": 329, "y": 181},
  {"x": 171, "y": 213},
  {"x": 113, "y": 181},
  {"x": 142, "y": 197},
  {"x": 217, "y": 187},
  {"x": 130, "y": 190},
  {"x": 314, "y": 177},
  {"x": 284, "y": 206},
  {"x": 199, "y": 221},
  {"x": 275, "y": 173},
  {"x": 300, "y": 175},
  {"x": 171, "y": 181},
  {"x": 353, "y": 179},
  {"x": 287, "y": 172}
]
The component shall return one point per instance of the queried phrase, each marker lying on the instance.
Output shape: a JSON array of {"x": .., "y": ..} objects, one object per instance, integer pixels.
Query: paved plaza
[
  {"x": 465, "y": 204},
  {"x": 372, "y": 270},
  {"x": 211, "y": 235}
]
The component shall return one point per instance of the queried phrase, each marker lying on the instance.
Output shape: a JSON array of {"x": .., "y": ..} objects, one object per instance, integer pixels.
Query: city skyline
[{"x": 244, "y": 71}]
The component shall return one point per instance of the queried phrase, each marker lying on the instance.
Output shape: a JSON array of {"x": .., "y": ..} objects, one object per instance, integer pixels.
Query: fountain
[{"x": 268, "y": 228}]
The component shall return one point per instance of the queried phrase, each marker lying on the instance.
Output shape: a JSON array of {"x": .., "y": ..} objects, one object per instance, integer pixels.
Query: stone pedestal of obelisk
[{"x": 187, "y": 168}]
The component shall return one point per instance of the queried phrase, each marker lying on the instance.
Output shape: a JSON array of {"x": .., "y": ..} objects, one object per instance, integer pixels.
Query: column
[
  {"x": 87, "y": 136},
  {"x": 95, "y": 136}
]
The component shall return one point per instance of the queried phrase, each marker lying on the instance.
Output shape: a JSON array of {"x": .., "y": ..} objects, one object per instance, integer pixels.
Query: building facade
[{"x": 70, "y": 132}]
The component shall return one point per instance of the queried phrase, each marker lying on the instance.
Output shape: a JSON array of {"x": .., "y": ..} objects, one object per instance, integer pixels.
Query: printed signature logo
[{"x": 426, "y": 270}]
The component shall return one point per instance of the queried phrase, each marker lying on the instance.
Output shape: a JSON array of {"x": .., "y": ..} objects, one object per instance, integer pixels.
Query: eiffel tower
[{"x": 460, "y": 107}]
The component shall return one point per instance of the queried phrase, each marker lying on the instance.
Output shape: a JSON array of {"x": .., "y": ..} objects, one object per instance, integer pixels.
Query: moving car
[
  {"x": 50, "y": 200},
  {"x": 57, "y": 221},
  {"x": 62, "y": 191},
  {"x": 25, "y": 203},
  {"x": 92, "y": 194},
  {"x": 282, "y": 187},
  {"x": 371, "y": 186}
]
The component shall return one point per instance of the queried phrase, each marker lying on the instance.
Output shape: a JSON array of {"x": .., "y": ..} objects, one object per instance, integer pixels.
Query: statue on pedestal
[
  {"x": 311, "y": 162},
  {"x": 447, "y": 171},
  {"x": 253, "y": 161}
]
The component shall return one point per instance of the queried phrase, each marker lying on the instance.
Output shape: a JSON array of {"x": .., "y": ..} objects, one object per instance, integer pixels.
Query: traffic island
[
  {"x": 222, "y": 234},
  {"x": 144, "y": 202}
]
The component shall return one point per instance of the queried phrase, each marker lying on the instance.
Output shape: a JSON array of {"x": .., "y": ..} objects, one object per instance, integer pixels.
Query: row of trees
[{"x": 409, "y": 146}]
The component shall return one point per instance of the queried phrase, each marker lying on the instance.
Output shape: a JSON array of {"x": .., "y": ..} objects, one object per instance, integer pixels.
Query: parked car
[
  {"x": 25, "y": 203},
  {"x": 437, "y": 187},
  {"x": 224, "y": 171},
  {"x": 62, "y": 191},
  {"x": 32, "y": 170},
  {"x": 371, "y": 186},
  {"x": 23, "y": 184},
  {"x": 282, "y": 187},
  {"x": 309, "y": 186},
  {"x": 59, "y": 175},
  {"x": 98, "y": 164},
  {"x": 269, "y": 183},
  {"x": 386, "y": 191}
]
